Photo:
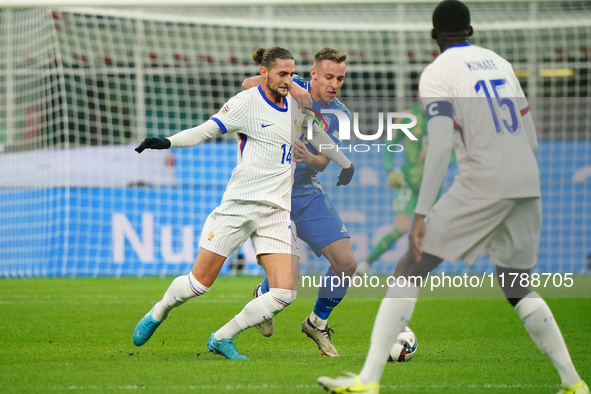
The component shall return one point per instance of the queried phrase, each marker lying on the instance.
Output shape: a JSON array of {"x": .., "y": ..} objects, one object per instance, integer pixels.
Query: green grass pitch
[{"x": 73, "y": 335}]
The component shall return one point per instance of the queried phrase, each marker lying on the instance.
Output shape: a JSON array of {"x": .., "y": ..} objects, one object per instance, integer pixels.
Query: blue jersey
[{"x": 305, "y": 177}]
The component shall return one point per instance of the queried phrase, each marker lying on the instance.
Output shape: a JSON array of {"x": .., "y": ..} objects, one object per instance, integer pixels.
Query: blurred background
[{"x": 80, "y": 87}]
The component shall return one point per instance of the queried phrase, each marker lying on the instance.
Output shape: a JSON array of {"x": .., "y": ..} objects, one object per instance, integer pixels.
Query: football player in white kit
[
  {"x": 475, "y": 105},
  {"x": 256, "y": 202}
]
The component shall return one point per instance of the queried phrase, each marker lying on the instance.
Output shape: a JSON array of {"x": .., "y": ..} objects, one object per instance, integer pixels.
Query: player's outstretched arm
[
  {"x": 153, "y": 143},
  {"x": 184, "y": 139},
  {"x": 319, "y": 162},
  {"x": 325, "y": 145},
  {"x": 440, "y": 132},
  {"x": 346, "y": 175}
]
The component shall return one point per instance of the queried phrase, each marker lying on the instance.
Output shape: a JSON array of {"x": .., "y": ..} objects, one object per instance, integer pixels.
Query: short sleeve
[{"x": 233, "y": 114}]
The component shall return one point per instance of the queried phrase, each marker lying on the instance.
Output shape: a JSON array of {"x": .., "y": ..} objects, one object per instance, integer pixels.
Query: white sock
[
  {"x": 257, "y": 311},
  {"x": 228, "y": 330},
  {"x": 394, "y": 313},
  {"x": 543, "y": 330},
  {"x": 180, "y": 290},
  {"x": 317, "y": 321}
]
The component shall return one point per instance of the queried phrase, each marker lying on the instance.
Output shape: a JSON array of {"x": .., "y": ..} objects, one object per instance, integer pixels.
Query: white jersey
[
  {"x": 264, "y": 132},
  {"x": 494, "y": 156}
]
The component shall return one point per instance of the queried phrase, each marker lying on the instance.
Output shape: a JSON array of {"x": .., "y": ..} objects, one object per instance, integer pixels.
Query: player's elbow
[
  {"x": 442, "y": 147},
  {"x": 440, "y": 153},
  {"x": 321, "y": 167},
  {"x": 322, "y": 162}
]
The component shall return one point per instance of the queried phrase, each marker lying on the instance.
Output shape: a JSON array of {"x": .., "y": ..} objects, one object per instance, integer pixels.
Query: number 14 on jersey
[{"x": 286, "y": 154}]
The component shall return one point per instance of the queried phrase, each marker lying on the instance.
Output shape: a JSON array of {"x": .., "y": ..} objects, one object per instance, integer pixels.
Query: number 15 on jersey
[{"x": 502, "y": 109}]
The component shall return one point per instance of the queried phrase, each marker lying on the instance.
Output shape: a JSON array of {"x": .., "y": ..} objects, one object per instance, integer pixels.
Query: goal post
[{"x": 80, "y": 87}]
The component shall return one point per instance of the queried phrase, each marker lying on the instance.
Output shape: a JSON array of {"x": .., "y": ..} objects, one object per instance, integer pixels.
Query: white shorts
[
  {"x": 230, "y": 225},
  {"x": 507, "y": 231}
]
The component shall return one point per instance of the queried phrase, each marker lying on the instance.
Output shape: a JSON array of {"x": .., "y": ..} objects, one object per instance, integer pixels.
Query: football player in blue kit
[{"x": 317, "y": 221}]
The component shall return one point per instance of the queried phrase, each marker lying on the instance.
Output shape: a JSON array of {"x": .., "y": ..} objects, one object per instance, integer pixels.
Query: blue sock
[
  {"x": 265, "y": 286},
  {"x": 329, "y": 298}
]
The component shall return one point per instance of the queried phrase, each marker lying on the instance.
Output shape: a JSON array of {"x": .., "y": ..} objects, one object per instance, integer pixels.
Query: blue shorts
[{"x": 317, "y": 221}]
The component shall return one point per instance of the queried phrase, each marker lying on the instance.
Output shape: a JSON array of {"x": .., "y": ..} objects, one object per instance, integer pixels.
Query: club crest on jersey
[{"x": 211, "y": 235}]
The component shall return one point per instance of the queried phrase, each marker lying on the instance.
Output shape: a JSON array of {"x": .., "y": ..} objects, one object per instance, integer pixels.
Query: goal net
[{"x": 81, "y": 87}]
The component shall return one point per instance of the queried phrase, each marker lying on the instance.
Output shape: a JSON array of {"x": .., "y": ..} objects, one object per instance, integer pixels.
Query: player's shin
[
  {"x": 257, "y": 311},
  {"x": 539, "y": 322},
  {"x": 393, "y": 315},
  {"x": 329, "y": 296},
  {"x": 180, "y": 290}
]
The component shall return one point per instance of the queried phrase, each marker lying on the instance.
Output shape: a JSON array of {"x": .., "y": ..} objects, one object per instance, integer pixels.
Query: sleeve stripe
[
  {"x": 242, "y": 143},
  {"x": 460, "y": 130},
  {"x": 219, "y": 122},
  {"x": 524, "y": 111}
]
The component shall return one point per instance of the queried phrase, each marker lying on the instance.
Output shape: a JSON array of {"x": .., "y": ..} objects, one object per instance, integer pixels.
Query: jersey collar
[
  {"x": 284, "y": 109},
  {"x": 463, "y": 44}
]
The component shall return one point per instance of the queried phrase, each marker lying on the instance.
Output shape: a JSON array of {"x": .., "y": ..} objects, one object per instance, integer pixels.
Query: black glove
[
  {"x": 346, "y": 175},
  {"x": 153, "y": 143}
]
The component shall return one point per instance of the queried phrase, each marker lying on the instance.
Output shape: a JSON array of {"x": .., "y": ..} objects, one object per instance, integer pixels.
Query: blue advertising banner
[{"x": 154, "y": 230}]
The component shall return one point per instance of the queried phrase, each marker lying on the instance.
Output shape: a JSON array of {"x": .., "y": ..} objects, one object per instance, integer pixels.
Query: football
[{"x": 405, "y": 347}]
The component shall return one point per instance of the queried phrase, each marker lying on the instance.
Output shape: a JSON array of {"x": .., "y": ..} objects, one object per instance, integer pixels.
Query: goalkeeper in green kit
[{"x": 405, "y": 181}]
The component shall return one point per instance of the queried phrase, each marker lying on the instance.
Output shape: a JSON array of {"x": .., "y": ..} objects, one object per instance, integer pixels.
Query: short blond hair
[{"x": 330, "y": 54}]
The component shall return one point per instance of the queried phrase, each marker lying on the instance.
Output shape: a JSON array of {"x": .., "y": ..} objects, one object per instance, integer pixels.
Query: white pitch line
[{"x": 243, "y": 387}]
